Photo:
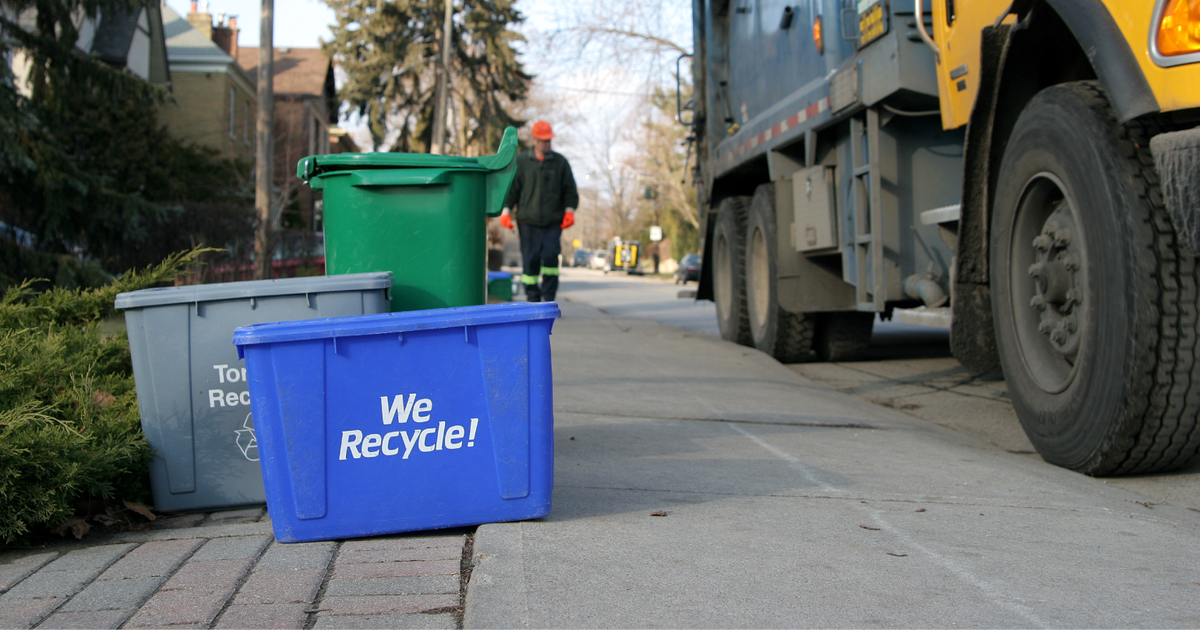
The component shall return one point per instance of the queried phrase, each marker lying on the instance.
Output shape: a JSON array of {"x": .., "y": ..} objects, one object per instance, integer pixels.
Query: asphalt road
[{"x": 908, "y": 368}]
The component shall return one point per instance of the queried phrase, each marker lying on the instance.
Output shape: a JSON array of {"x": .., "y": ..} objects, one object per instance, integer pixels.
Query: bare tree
[
  {"x": 648, "y": 35},
  {"x": 617, "y": 179},
  {"x": 664, "y": 158}
]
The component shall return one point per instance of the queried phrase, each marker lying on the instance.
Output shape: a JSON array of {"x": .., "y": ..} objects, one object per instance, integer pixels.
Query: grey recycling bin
[{"x": 191, "y": 386}]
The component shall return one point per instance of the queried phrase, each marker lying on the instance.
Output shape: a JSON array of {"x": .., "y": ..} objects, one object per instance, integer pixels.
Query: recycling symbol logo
[{"x": 246, "y": 440}]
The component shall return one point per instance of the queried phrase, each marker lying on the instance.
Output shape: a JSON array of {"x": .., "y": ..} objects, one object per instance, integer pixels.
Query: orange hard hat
[{"x": 542, "y": 130}]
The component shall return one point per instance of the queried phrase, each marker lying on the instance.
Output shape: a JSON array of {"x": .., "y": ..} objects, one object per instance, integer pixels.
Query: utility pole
[
  {"x": 443, "y": 88},
  {"x": 264, "y": 155}
]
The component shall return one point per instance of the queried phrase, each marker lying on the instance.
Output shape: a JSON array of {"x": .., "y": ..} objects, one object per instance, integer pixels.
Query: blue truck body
[{"x": 770, "y": 105}]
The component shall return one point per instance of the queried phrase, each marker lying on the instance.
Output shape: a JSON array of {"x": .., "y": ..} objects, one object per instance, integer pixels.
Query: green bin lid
[{"x": 316, "y": 165}]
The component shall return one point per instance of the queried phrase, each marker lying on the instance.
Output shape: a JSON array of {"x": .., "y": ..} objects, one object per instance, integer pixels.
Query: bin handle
[
  {"x": 503, "y": 167},
  {"x": 306, "y": 167},
  {"x": 401, "y": 177},
  {"x": 504, "y": 153}
]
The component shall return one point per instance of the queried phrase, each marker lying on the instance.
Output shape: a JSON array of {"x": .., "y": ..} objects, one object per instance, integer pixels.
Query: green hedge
[
  {"x": 61, "y": 270},
  {"x": 70, "y": 435}
]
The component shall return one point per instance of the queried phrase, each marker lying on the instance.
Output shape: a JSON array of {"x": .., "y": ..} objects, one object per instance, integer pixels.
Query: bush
[
  {"x": 70, "y": 434},
  {"x": 61, "y": 270}
]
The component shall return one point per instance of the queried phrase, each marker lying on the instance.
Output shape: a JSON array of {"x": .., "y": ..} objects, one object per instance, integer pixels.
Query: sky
[
  {"x": 601, "y": 95},
  {"x": 298, "y": 23}
]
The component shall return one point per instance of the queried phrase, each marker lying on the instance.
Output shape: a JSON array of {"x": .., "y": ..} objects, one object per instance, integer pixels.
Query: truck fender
[{"x": 1117, "y": 69}]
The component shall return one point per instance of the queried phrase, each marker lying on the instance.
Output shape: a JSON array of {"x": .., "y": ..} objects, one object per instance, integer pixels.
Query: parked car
[
  {"x": 599, "y": 260},
  {"x": 581, "y": 258},
  {"x": 689, "y": 269}
]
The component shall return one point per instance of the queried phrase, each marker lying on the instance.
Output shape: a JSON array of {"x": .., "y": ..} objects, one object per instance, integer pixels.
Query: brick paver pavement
[{"x": 225, "y": 570}]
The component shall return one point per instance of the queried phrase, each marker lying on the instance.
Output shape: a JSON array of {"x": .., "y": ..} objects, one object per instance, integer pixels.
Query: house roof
[
  {"x": 185, "y": 43},
  {"x": 115, "y": 34},
  {"x": 299, "y": 71}
]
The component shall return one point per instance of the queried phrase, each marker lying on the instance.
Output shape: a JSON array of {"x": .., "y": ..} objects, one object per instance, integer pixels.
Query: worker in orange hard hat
[
  {"x": 542, "y": 131},
  {"x": 543, "y": 199}
]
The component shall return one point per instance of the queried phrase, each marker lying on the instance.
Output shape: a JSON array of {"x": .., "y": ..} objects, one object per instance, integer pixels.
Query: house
[
  {"x": 135, "y": 41},
  {"x": 131, "y": 40},
  {"x": 214, "y": 102},
  {"x": 306, "y": 107}
]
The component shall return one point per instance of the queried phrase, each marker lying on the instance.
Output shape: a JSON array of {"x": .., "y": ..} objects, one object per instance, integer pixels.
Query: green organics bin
[{"x": 420, "y": 216}]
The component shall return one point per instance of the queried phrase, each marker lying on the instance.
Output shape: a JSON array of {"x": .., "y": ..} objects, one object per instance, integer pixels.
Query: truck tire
[
  {"x": 729, "y": 264},
  {"x": 1095, "y": 303},
  {"x": 782, "y": 334},
  {"x": 842, "y": 335}
]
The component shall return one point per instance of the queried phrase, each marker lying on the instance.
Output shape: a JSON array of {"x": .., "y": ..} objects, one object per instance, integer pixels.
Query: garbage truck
[{"x": 1023, "y": 172}]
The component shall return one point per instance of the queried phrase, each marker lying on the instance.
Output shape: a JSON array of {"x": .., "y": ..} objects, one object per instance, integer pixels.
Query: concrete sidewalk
[
  {"x": 701, "y": 484},
  {"x": 697, "y": 484}
]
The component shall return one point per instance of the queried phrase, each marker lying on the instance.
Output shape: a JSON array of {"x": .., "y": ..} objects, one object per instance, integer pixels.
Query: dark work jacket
[{"x": 542, "y": 189}]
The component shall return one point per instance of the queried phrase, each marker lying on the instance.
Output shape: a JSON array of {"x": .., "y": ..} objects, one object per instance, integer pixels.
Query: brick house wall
[
  {"x": 213, "y": 101},
  {"x": 212, "y": 110}
]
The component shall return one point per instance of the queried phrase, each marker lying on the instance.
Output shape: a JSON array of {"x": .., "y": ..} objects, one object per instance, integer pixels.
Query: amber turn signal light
[
  {"x": 818, "y": 39},
  {"x": 1179, "y": 29}
]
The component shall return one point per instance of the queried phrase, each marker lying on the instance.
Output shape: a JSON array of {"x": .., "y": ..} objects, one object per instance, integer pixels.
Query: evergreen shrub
[{"x": 70, "y": 434}]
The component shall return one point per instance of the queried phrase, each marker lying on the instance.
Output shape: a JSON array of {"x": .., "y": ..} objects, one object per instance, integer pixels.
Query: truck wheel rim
[
  {"x": 758, "y": 280},
  {"x": 1047, "y": 283}
]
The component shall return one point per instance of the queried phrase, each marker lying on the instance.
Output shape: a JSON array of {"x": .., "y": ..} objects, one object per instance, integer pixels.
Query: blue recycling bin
[{"x": 405, "y": 421}]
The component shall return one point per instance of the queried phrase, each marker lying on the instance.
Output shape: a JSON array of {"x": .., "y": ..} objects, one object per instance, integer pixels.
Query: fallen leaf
[
  {"x": 898, "y": 555},
  {"x": 103, "y": 398},
  {"x": 660, "y": 513},
  {"x": 140, "y": 508},
  {"x": 920, "y": 509},
  {"x": 874, "y": 529}
]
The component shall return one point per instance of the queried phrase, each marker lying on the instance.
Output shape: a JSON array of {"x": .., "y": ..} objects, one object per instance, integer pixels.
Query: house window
[
  {"x": 232, "y": 113},
  {"x": 246, "y": 126}
]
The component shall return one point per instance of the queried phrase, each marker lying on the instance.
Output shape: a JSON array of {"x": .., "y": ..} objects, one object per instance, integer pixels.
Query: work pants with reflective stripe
[{"x": 540, "y": 248}]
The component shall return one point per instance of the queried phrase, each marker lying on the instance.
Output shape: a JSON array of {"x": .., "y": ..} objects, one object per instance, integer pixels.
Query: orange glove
[
  {"x": 568, "y": 219},
  {"x": 506, "y": 219}
]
